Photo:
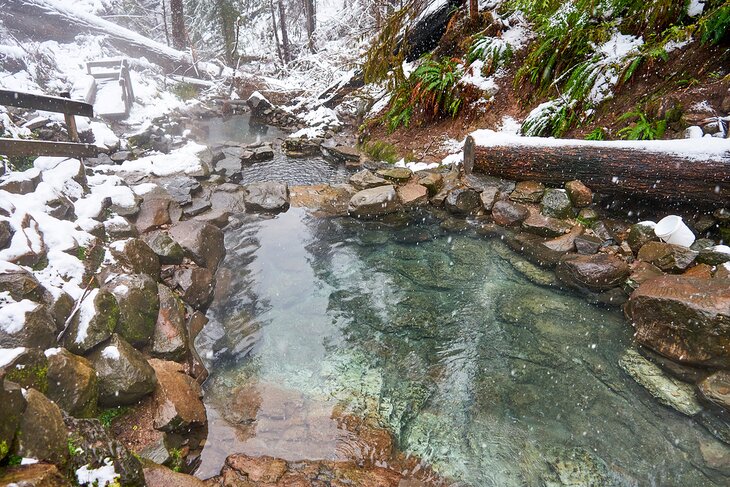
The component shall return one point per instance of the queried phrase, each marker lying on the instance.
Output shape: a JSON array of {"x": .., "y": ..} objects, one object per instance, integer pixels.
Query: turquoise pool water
[{"x": 490, "y": 379}]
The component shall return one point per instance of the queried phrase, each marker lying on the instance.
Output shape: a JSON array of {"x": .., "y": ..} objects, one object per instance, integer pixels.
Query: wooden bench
[
  {"x": 113, "y": 71},
  {"x": 57, "y": 104}
]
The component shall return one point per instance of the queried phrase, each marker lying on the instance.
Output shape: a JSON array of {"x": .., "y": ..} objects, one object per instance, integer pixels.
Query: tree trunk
[
  {"x": 62, "y": 23},
  {"x": 276, "y": 31},
  {"x": 311, "y": 22},
  {"x": 284, "y": 36},
  {"x": 643, "y": 170},
  {"x": 178, "y": 24},
  {"x": 474, "y": 10}
]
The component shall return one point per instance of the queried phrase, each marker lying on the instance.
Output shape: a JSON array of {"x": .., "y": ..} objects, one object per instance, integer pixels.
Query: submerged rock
[
  {"x": 374, "y": 202},
  {"x": 124, "y": 375},
  {"x": 268, "y": 196},
  {"x": 683, "y": 318},
  {"x": 667, "y": 390}
]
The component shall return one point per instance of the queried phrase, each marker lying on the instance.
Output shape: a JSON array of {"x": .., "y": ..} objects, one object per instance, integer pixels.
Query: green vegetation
[
  {"x": 4, "y": 449},
  {"x": 73, "y": 449},
  {"x": 177, "y": 462},
  {"x": 597, "y": 134},
  {"x": 380, "y": 151},
  {"x": 432, "y": 91},
  {"x": 30, "y": 376},
  {"x": 14, "y": 460},
  {"x": 642, "y": 128},
  {"x": 185, "y": 91},
  {"x": 107, "y": 416},
  {"x": 583, "y": 50}
]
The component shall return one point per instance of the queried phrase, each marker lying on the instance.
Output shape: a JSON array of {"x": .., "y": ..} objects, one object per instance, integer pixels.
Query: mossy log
[{"x": 647, "y": 171}]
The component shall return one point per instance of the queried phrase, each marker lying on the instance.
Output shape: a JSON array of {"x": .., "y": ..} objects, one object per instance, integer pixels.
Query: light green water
[{"x": 487, "y": 377}]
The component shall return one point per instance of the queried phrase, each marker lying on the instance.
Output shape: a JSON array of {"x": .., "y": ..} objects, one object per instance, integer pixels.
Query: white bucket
[{"x": 671, "y": 229}]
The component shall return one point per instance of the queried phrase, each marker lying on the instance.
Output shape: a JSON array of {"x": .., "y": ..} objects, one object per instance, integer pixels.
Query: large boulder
[
  {"x": 41, "y": 433},
  {"x": 598, "y": 272},
  {"x": 95, "y": 448},
  {"x": 136, "y": 257},
  {"x": 463, "y": 201},
  {"x": 412, "y": 195},
  {"x": 26, "y": 324},
  {"x": 72, "y": 383},
  {"x": 170, "y": 340},
  {"x": 268, "y": 196},
  {"x": 139, "y": 304},
  {"x": 374, "y": 202},
  {"x": 667, "y": 257},
  {"x": 545, "y": 226},
  {"x": 365, "y": 180},
  {"x": 203, "y": 242},
  {"x": 93, "y": 323},
  {"x": 177, "y": 398},
  {"x": 640, "y": 234},
  {"x": 124, "y": 374},
  {"x": 196, "y": 285},
  {"x": 684, "y": 318},
  {"x": 21, "y": 284},
  {"x": 14, "y": 404},
  {"x": 153, "y": 213}
]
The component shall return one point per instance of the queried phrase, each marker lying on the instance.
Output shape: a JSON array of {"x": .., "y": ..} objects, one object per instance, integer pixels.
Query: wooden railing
[{"x": 58, "y": 104}]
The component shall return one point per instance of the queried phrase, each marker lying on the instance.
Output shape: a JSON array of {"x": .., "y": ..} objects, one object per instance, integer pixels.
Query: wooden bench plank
[
  {"x": 47, "y": 103},
  {"x": 22, "y": 147}
]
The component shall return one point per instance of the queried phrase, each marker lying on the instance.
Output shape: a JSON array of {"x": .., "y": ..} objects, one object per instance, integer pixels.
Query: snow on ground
[
  {"x": 99, "y": 477},
  {"x": 182, "y": 161}
]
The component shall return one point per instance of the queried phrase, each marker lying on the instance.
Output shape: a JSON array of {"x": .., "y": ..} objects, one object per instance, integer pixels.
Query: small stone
[
  {"x": 555, "y": 203},
  {"x": 413, "y": 195},
  {"x": 365, "y": 179},
  {"x": 153, "y": 213},
  {"x": 196, "y": 285},
  {"x": 170, "y": 339},
  {"x": 588, "y": 216},
  {"x": 715, "y": 255},
  {"x": 640, "y": 234},
  {"x": 489, "y": 196},
  {"x": 433, "y": 182},
  {"x": 587, "y": 244},
  {"x": 528, "y": 192},
  {"x": 120, "y": 156},
  {"x": 667, "y": 257},
  {"x": 580, "y": 195},
  {"x": 197, "y": 207},
  {"x": 6, "y": 234},
  {"x": 565, "y": 243},
  {"x": 463, "y": 201},
  {"x": 119, "y": 227},
  {"x": 545, "y": 226},
  {"x": 507, "y": 213},
  {"x": 395, "y": 174}
]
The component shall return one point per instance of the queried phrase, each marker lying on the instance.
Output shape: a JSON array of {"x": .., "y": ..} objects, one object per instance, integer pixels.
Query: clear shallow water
[
  {"x": 301, "y": 171},
  {"x": 492, "y": 380}
]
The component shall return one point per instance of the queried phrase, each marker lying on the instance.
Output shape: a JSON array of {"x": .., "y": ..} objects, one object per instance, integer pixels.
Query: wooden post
[{"x": 73, "y": 132}]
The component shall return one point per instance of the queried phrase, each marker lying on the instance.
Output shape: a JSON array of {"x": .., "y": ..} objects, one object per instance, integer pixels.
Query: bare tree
[
  {"x": 473, "y": 10},
  {"x": 178, "y": 24},
  {"x": 311, "y": 22},
  {"x": 284, "y": 35},
  {"x": 276, "y": 31}
]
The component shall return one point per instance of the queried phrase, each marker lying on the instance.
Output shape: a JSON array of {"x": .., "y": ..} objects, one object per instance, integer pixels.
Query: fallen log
[
  {"x": 685, "y": 171},
  {"x": 53, "y": 19}
]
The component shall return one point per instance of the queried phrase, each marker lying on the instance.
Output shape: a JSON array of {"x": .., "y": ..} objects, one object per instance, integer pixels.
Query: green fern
[
  {"x": 642, "y": 128},
  {"x": 492, "y": 51}
]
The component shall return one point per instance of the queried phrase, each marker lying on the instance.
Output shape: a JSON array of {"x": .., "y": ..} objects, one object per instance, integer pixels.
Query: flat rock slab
[
  {"x": 365, "y": 179},
  {"x": 395, "y": 174},
  {"x": 374, "y": 202}
]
